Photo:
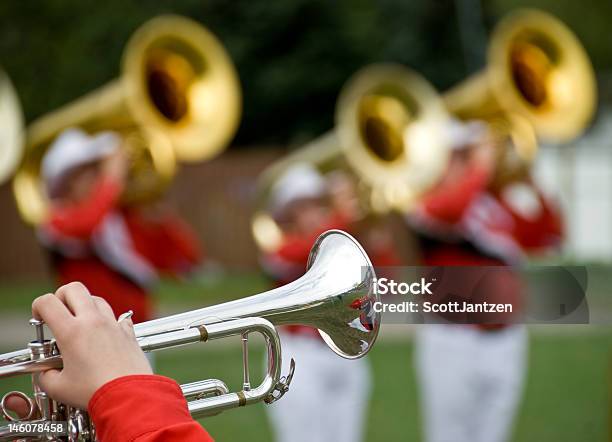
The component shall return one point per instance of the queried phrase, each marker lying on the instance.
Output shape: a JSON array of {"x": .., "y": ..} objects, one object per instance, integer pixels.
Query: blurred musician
[
  {"x": 116, "y": 252},
  {"x": 374, "y": 232},
  {"x": 328, "y": 396},
  {"x": 471, "y": 376}
]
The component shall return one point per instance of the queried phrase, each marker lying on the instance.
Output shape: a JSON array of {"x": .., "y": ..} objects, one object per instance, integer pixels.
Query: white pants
[
  {"x": 328, "y": 397},
  {"x": 471, "y": 381}
]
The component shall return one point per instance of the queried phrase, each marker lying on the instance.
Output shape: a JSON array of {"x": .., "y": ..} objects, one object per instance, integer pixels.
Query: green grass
[
  {"x": 203, "y": 290},
  {"x": 567, "y": 394},
  {"x": 566, "y": 397},
  {"x": 19, "y": 296},
  {"x": 210, "y": 288}
]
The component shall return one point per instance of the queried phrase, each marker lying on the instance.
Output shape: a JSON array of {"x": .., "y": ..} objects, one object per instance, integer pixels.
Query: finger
[
  {"x": 128, "y": 327},
  {"x": 51, "y": 310},
  {"x": 103, "y": 307},
  {"x": 18, "y": 405},
  {"x": 51, "y": 382},
  {"x": 76, "y": 296}
]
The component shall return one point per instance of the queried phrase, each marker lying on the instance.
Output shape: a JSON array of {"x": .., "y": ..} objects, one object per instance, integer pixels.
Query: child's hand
[
  {"x": 116, "y": 165},
  {"x": 95, "y": 348}
]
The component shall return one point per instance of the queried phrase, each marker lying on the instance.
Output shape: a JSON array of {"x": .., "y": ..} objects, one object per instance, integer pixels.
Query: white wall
[{"x": 580, "y": 175}]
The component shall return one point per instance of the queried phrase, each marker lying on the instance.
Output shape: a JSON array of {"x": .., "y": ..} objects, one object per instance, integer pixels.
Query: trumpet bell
[
  {"x": 389, "y": 123},
  {"x": 11, "y": 128},
  {"x": 348, "y": 321},
  {"x": 336, "y": 295}
]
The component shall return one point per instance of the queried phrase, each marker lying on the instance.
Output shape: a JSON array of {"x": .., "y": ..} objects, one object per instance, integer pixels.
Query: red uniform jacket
[
  {"x": 115, "y": 252},
  {"x": 464, "y": 224},
  {"x": 143, "y": 408}
]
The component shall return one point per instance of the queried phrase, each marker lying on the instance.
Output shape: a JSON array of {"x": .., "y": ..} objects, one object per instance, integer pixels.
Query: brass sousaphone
[
  {"x": 177, "y": 99},
  {"x": 11, "y": 128},
  {"x": 389, "y": 133},
  {"x": 538, "y": 84}
]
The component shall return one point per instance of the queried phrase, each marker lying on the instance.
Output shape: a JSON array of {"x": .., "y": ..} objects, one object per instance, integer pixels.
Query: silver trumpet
[{"x": 335, "y": 296}]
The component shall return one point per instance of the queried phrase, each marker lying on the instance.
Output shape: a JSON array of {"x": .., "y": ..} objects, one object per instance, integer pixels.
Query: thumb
[
  {"x": 128, "y": 327},
  {"x": 51, "y": 382}
]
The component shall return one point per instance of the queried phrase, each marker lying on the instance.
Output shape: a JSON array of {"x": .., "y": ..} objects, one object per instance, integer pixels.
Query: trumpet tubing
[{"x": 335, "y": 296}]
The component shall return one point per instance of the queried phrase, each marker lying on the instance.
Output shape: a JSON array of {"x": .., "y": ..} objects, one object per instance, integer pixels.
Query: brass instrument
[
  {"x": 11, "y": 128},
  {"x": 537, "y": 74},
  {"x": 388, "y": 131},
  {"x": 177, "y": 99},
  {"x": 335, "y": 295}
]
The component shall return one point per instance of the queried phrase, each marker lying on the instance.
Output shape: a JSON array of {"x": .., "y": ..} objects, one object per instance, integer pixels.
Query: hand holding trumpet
[{"x": 86, "y": 332}]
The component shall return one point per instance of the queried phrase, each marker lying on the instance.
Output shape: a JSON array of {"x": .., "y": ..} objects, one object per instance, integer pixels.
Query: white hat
[
  {"x": 300, "y": 181},
  {"x": 463, "y": 134},
  {"x": 74, "y": 148}
]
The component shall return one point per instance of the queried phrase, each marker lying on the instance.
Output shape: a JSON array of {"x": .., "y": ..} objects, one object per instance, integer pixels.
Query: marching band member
[
  {"x": 328, "y": 395},
  {"x": 117, "y": 252},
  {"x": 471, "y": 376},
  {"x": 125, "y": 400}
]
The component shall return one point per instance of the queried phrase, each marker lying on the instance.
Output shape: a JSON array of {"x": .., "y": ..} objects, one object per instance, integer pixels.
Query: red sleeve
[
  {"x": 288, "y": 262},
  {"x": 297, "y": 248},
  {"x": 80, "y": 220},
  {"x": 168, "y": 243},
  {"x": 448, "y": 201},
  {"x": 143, "y": 408},
  {"x": 541, "y": 233},
  {"x": 184, "y": 239}
]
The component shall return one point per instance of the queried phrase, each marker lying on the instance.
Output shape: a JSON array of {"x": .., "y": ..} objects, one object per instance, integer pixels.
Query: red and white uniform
[
  {"x": 116, "y": 253},
  {"x": 471, "y": 377},
  {"x": 465, "y": 224},
  {"x": 143, "y": 408},
  {"x": 328, "y": 397}
]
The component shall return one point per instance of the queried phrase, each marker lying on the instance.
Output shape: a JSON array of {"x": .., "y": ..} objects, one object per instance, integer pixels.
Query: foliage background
[{"x": 292, "y": 56}]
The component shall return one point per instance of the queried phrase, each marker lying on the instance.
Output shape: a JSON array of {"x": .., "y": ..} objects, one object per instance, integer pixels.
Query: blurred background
[{"x": 292, "y": 58}]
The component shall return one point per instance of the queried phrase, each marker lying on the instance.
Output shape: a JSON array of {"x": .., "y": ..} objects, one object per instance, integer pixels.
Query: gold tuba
[
  {"x": 388, "y": 132},
  {"x": 177, "y": 99},
  {"x": 11, "y": 128},
  {"x": 537, "y": 74}
]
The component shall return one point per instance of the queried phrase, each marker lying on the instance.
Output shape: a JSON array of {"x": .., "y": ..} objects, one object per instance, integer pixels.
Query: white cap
[
  {"x": 463, "y": 134},
  {"x": 300, "y": 181},
  {"x": 74, "y": 148}
]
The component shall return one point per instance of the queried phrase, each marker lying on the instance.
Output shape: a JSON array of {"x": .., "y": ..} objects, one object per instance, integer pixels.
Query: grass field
[
  {"x": 566, "y": 396},
  {"x": 170, "y": 295}
]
